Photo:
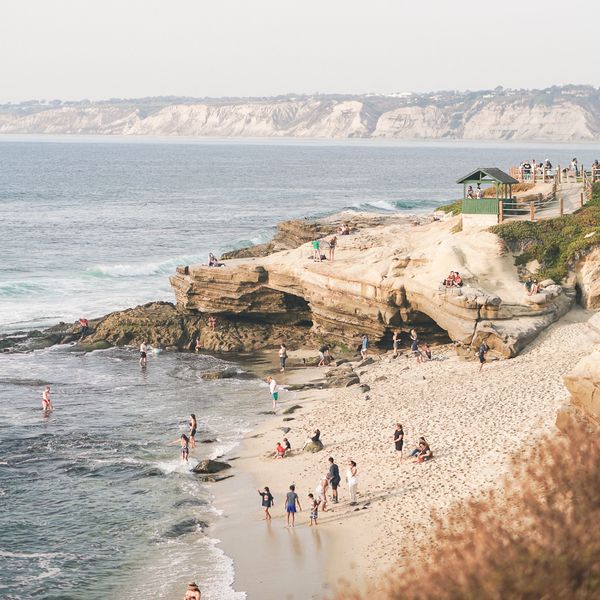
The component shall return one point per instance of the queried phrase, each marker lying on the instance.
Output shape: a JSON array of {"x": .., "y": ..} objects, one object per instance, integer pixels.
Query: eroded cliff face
[
  {"x": 383, "y": 277},
  {"x": 557, "y": 114}
]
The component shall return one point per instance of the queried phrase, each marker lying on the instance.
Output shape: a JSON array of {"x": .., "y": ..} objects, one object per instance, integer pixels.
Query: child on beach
[
  {"x": 193, "y": 426},
  {"x": 287, "y": 446},
  {"x": 279, "y": 451},
  {"x": 185, "y": 446},
  {"x": 291, "y": 501},
  {"x": 314, "y": 509},
  {"x": 396, "y": 342},
  {"x": 267, "y": 501},
  {"x": 46, "y": 402},
  {"x": 274, "y": 389}
]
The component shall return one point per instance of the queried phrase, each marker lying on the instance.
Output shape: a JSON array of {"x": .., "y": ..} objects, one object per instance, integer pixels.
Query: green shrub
[{"x": 455, "y": 208}]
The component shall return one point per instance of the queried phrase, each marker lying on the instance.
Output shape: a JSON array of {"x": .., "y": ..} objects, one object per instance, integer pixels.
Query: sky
[{"x": 99, "y": 49}]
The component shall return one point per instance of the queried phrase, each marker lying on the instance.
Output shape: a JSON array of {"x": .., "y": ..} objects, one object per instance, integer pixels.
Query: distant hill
[{"x": 557, "y": 114}]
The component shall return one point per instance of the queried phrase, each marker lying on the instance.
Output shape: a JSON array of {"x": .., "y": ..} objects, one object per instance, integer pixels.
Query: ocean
[{"x": 94, "y": 501}]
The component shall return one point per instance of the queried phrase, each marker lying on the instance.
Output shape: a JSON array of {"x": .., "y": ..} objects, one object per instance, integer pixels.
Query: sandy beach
[{"x": 474, "y": 422}]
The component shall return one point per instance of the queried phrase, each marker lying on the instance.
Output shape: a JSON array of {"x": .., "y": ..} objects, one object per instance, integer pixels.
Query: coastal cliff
[
  {"x": 569, "y": 113},
  {"x": 384, "y": 276}
]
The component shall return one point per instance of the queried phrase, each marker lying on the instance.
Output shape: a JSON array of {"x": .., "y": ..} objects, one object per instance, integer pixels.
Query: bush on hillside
[{"x": 539, "y": 538}]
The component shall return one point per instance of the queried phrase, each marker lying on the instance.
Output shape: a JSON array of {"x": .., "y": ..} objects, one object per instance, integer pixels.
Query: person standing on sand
[
  {"x": 46, "y": 402},
  {"x": 364, "y": 347},
  {"x": 192, "y": 593},
  {"x": 267, "y": 501},
  {"x": 314, "y": 509},
  {"x": 482, "y": 352},
  {"x": 291, "y": 501},
  {"x": 274, "y": 389},
  {"x": 193, "y": 427},
  {"x": 321, "y": 491},
  {"x": 143, "y": 354},
  {"x": 332, "y": 245},
  {"x": 282, "y": 357},
  {"x": 352, "y": 479},
  {"x": 399, "y": 440},
  {"x": 396, "y": 342},
  {"x": 334, "y": 479}
]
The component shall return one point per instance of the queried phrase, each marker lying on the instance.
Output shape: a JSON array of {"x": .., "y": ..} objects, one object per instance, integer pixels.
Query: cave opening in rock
[
  {"x": 298, "y": 310},
  {"x": 427, "y": 329}
]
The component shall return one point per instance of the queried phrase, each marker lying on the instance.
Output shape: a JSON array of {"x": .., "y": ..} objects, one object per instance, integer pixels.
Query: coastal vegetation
[
  {"x": 539, "y": 538},
  {"x": 555, "y": 243}
]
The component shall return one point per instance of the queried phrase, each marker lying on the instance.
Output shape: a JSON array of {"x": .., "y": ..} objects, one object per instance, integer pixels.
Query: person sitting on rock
[
  {"x": 424, "y": 453},
  {"x": 458, "y": 282},
  {"x": 287, "y": 446},
  {"x": 535, "y": 288},
  {"x": 213, "y": 262},
  {"x": 315, "y": 439},
  {"x": 449, "y": 281}
]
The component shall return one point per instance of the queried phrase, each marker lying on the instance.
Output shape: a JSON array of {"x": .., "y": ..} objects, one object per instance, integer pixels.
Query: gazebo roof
[{"x": 487, "y": 174}]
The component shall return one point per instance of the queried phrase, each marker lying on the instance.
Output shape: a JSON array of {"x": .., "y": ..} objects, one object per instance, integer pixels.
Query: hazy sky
[{"x": 73, "y": 49}]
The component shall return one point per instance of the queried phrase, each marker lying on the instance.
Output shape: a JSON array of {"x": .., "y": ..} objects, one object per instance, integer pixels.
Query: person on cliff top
[
  {"x": 449, "y": 281},
  {"x": 282, "y": 357},
  {"x": 46, "y": 402},
  {"x": 314, "y": 509},
  {"x": 396, "y": 342},
  {"x": 482, "y": 352},
  {"x": 213, "y": 262},
  {"x": 192, "y": 592},
  {"x": 274, "y": 389},
  {"x": 193, "y": 427},
  {"x": 316, "y": 246},
  {"x": 332, "y": 245},
  {"x": 458, "y": 282},
  {"x": 143, "y": 354},
  {"x": 267, "y": 501},
  {"x": 364, "y": 346},
  {"x": 291, "y": 501}
]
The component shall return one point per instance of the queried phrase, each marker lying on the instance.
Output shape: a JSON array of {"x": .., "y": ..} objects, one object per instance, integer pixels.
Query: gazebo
[{"x": 486, "y": 210}]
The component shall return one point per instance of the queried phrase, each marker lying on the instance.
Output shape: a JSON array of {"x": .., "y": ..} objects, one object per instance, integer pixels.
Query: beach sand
[{"x": 474, "y": 422}]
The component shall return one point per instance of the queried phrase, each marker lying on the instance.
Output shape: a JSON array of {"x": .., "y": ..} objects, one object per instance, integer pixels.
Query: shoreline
[{"x": 474, "y": 431}]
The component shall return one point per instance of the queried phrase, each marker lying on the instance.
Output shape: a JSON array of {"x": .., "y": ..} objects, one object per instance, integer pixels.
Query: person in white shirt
[
  {"x": 274, "y": 389},
  {"x": 143, "y": 354}
]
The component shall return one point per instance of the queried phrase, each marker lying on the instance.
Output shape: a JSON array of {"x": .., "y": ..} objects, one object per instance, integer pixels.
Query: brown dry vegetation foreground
[{"x": 539, "y": 538}]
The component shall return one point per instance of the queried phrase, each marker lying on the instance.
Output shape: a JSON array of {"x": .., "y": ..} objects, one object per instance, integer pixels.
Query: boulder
[
  {"x": 291, "y": 409},
  {"x": 583, "y": 383},
  {"x": 367, "y": 361},
  {"x": 364, "y": 388},
  {"x": 588, "y": 279},
  {"x": 210, "y": 467},
  {"x": 313, "y": 447},
  {"x": 342, "y": 381}
]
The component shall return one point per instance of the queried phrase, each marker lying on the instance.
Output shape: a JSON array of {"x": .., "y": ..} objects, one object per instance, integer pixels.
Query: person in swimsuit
[
  {"x": 198, "y": 346},
  {"x": 193, "y": 427},
  {"x": 143, "y": 354},
  {"x": 185, "y": 446},
  {"x": 291, "y": 501},
  {"x": 314, "y": 509},
  {"x": 282, "y": 357},
  {"x": 332, "y": 245},
  {"x": 46, "y": 402},
  {"x": 267, "y": 501},
  {"x": 399, "y": 440},
  {"x": 192, "y": 593}
]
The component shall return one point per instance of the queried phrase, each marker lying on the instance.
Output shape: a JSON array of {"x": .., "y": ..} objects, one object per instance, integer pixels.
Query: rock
[
  {"x": 285, "y": 429},
  {"x": 343, "y": 381},
  {"x": 367, "y": 361},
  {"x": 364, "y": 388},
  {"x": 227, "y": 373},
  {"x": 340, "y": 361},
  {"x": 547, "y": 282},
  {"x": 207, "y": 441},
  {"x": 381, "y": 378},
  {"x": 587, "y": 272},
  {"x": 209, "y": 467},
  {"x": 291, "y": 409},
  {"x": 313, "y": 447},
  {"x": 289, "y": 419}
]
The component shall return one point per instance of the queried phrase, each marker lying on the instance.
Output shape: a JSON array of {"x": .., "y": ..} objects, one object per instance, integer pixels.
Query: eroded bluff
[{"x": 384, "y": 276}]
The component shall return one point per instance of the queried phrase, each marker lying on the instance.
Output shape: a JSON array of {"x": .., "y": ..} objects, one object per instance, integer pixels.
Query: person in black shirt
[
  {"x": 334, "y": 479},
  {"x": 267, "y": 501},
  {"x": 399, "y": 440}
]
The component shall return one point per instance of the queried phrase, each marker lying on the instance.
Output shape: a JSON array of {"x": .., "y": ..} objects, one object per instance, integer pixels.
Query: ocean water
[{"x": 94, "y": 502}]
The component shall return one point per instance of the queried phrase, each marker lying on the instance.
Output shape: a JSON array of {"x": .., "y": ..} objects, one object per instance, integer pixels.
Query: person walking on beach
[
  {"x": 399, "y": 440},
  {"x": 267, "y": 501},
  {"x": 482, "y": 352},
  {"x": 192, "y": 593},
  {"x": 316, "y": 251},
  {"x": 274, "y": 389},
  {"x": 332, "y": 245},
  {"x": 321, "y": 491},
  {"x": 143, "y": 354},
  {"x": 352, "y": 480},
  {"x": 334, "y": 479},
  {"x": 193, "y": 427},
  {"x": 364, "y": 346},
  {"x": 314, "y": 509},
  {"x": 291, "y": 501},
  {"x": 282, "y": 357},
  {"x": 396, "y": 342},
  {"x": 46, "y": 402}
]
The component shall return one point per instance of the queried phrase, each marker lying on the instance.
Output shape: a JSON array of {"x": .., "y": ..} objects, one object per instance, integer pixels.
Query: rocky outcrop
[
  {"x": 210, "y": 467},
  {"x": 384, "y": 277},
  {"x": 587, "y": 272}
]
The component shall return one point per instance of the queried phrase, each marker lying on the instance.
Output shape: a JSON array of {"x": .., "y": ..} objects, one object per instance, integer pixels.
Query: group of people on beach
[{"x": 187, "y": 441}]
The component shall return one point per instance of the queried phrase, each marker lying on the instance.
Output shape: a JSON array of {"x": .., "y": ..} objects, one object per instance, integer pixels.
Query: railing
[
  {"x": 528, "y": 208},
  {"x": 535, "y": 174},
  {"x": 588, "y": 180}
]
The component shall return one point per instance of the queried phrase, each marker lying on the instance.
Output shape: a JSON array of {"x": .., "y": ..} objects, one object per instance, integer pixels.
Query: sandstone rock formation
[
  {"x": 384, "y": 277},
  {"x": 587, "y": 272}
]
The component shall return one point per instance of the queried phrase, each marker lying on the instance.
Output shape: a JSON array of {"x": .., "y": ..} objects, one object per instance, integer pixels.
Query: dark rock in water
[
  {"x": 285, "y": 429},
  {"x": 364, "y": 387},
  {"x": 189, "y": 502},
  {"x": 227, "y": 373},
  {"x": 24, "y": 382},
  {"x": 208, "y": 467},
  {"x": 213, "y": 478},
  {"x": 289, "y": 419},
  {"x": 184, "y": 527},
  {"x": 207, "y": 441},
  {"x": 291, "y": 410},
  {"x": 313, "y": 447},
  {"x": 90, "y": 347}
]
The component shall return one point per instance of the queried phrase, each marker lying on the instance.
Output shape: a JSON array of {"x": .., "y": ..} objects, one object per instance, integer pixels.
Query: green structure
[{"x": 502, "y": 183}]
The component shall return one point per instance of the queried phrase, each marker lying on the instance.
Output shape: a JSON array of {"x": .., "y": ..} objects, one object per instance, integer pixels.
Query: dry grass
[
  {"x": 539, "y": 538},
  {"x": 490, "y": 192}
]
